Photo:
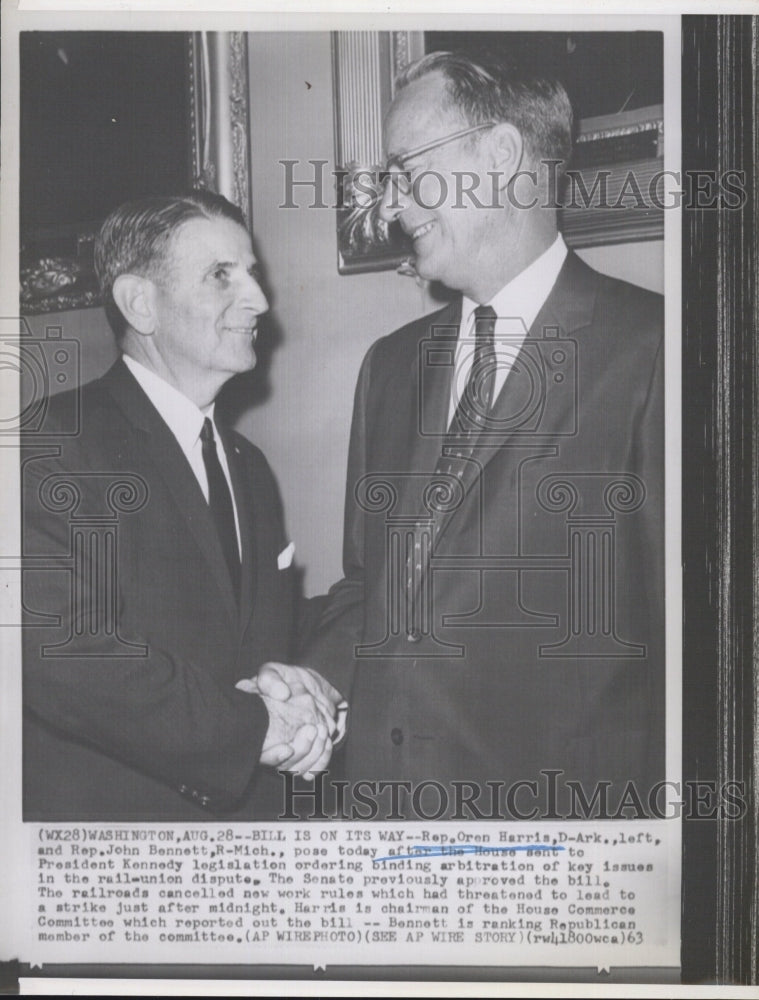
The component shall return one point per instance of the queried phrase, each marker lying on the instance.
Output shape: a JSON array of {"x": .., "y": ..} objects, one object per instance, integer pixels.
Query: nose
[
  {"x": 393, "y": 200},
  {"x": 252, "y": 296}
]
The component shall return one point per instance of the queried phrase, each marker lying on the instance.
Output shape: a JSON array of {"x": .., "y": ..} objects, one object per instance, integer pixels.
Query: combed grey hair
[
  {"x": 136, "y": 239},
  {"x": 537, "y": 106}
]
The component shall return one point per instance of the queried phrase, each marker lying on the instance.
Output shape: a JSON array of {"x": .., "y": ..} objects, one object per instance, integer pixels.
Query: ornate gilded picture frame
[{"x": 196, "y": 135}]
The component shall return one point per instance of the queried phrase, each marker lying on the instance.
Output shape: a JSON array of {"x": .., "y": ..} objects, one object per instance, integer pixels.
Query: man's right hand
[{"x": 296, "y": 724}]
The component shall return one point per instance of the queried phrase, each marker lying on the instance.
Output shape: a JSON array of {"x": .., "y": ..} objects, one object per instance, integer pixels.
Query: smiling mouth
[
  {"x": 422, "y": 230},
  {"x": 250, "y": 331}
]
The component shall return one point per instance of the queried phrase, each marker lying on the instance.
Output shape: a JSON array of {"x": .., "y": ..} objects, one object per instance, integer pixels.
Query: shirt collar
[
  {"x": 525, "y": 294},
  {"x": 183, "y": 417}
]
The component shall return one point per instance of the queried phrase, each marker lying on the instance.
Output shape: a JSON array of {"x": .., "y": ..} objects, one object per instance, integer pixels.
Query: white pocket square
[{"x": 285, "y": 557}]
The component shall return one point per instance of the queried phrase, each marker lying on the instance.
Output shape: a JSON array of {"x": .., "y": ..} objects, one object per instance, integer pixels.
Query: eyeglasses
[{"x": 396, "y": 170}]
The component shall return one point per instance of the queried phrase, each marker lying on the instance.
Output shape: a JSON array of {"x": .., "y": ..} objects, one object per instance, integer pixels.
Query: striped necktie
[{"x": 456, "y": 460}]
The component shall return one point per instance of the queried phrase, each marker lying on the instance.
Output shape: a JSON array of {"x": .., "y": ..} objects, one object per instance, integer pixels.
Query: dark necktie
[
  {"x": 456, "y": 460},
  {"x": 477, "y": 398},
  {"x": 471, "y": 415},
  {"x": 220, "y": 503}
]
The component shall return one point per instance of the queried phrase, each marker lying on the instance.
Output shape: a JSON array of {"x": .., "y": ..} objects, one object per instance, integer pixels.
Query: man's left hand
[
  {"x": 280, "y": 681},
  {"x": 333, "y": 707}
]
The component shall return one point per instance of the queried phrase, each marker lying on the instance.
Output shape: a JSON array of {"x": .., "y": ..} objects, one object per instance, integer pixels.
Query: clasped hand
[{"x": 306, "y": 717}]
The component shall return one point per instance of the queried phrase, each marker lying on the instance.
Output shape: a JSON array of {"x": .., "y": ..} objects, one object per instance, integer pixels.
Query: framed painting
[{"x": 170, "y": 111}]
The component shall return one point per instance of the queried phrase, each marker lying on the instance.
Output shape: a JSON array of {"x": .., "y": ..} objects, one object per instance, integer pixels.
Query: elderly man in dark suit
[
  {"x": 158, "y": 576},
  {"x": 500, "y": 626}
]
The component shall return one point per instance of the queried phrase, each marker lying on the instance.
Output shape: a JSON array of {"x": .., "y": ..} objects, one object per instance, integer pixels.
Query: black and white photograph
[{"x": 378, "y": 600}]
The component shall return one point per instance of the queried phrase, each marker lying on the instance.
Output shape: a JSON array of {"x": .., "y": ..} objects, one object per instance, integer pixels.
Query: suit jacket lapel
[
  {"x": 568, "y": 308},
  {"x": 161, "y": 449},
  {"x": 432, "y": 374}
]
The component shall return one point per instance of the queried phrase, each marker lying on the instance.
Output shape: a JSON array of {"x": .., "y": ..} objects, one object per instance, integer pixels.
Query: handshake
[{"x": 307, "y": 717}]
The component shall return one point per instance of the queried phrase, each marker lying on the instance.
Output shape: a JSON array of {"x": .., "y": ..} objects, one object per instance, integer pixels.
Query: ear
[
  {"x": 133, "y": 295},
  {"x": 507, "y": 152}
]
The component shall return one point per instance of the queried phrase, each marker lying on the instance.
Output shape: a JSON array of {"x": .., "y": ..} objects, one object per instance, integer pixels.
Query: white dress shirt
[
  {"x": 516, "y": 307},
  {"x": 185, "y": 421}
]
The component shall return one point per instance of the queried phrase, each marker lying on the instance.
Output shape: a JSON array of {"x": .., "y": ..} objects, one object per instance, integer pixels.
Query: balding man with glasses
[{"x": 499, "y": 630}]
